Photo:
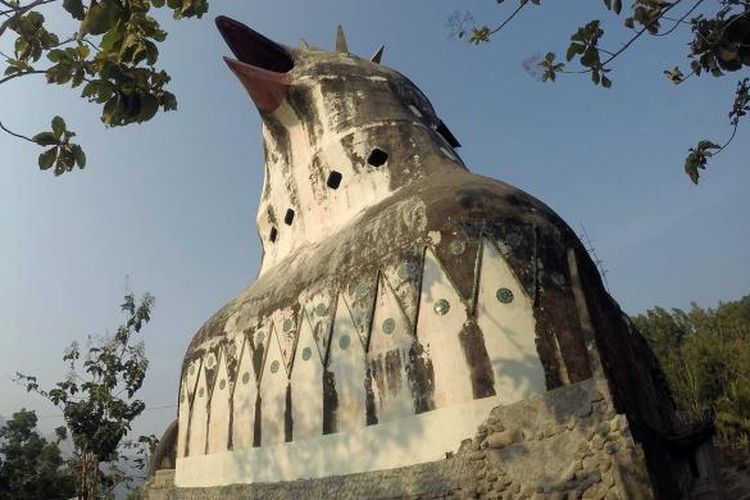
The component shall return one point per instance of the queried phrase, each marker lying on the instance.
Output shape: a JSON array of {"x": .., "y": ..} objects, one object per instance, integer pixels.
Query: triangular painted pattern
[
  {"x": 218, "y": 424},
  {"x": 286, "y": 326},
  {"x": 318, "y": 313},
  {"x": 391, "y": 328},
  {"x": 442, "y": 316},
  {"x": 505, "y": 316},
  {"x": 403, "y": 278},
  {"x": 359, "y": 299},
  {"x": 244, "y": 395}
]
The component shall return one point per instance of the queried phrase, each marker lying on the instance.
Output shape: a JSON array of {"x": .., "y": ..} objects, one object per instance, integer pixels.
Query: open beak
[{"x": 261, "y": 64}]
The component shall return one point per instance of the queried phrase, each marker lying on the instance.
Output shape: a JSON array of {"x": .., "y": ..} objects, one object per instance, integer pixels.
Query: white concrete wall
[
  {"x": 509, "y": 329},
  {"x": 358, "y": 322},
  {"x": 218, "y": 422},
  {"x": 347, "y": 363},
  {"x": 390, "y": 340},
  {"x": 273, "y": 385},
  {"x": 416, "y": 439},
  {"x": 438, "y": 333},
  {"x": 245, "y": 393},
  {"x": 183, "y": 414},
  {"x": 198, "y": 417},
  {"x": 307, "y": 386}
]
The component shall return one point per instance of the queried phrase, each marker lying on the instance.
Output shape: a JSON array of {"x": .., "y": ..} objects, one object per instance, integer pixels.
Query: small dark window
[
  {"x": 377, "y": 157},
  {"x": 289, "y": 217},
  {"x": 334, "y": 180},
  {"x": 273, "y": 235}
]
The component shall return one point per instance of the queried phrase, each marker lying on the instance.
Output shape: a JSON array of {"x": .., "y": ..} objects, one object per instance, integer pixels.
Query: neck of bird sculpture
[{"x": 318, "y": 179}]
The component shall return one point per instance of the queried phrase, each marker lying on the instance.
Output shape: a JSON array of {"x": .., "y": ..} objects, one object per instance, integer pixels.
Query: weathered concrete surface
[
  {"x": 567, "y": 443},
  {"x": 427, "y": 291}
]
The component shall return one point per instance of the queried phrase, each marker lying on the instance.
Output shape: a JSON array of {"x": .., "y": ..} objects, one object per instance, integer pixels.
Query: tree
[
  {"x": 30, "y": 465},
  {"x": 705, "y": 354},
  {"x": 110, "y": 53},
  {"x": 719, "y": 44},
  {"x": 98, "y": 399}
]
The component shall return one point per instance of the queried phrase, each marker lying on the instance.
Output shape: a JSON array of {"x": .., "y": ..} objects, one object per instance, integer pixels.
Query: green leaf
[
  {"x": 75, "y": 8},
  {"x": 692, "y": 170},
  {"x": 79, "y": 155},
  {"x": 606, "y": 82},
  {"x": 101, "y": 17},
  {"x": 617, "y": 6},
  {"x": 45, "y": 139},
  {"x": 149, "y": 107},
  {"x": 58, "y": 127},
  {"x": 110, "y": 39},
  {"x": 47, "y": 158},
  {"x": 573, "y": 49}
]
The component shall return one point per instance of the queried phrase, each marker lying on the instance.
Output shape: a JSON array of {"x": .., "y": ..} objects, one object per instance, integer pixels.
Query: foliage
[
  {"x": 98, "y": 399},
  {"x": 719, "y": 44},
  {"x": 111, "y": 55},
  {"x": 705, "y": 354},
  {"x": 30, "y": 465}
]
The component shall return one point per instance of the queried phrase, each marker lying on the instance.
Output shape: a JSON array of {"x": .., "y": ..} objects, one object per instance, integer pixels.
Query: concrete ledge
[{"x": 417, "y": 439}]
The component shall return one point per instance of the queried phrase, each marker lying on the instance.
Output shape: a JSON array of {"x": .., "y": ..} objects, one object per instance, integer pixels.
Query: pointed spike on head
[
  {"x": 341, "y": 40},
  {"x": 378, "y": 55}
]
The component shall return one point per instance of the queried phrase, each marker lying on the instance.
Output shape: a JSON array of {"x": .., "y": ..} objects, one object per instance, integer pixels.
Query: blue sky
[{"x": 169, "y": 206}]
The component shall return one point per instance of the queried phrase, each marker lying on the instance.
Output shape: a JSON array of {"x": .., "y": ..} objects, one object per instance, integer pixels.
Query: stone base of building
[{"x": 566, "y": 443}]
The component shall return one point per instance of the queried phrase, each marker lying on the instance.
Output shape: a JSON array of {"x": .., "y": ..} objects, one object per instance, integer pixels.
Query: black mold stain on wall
[{"x": 330, "y": 403}]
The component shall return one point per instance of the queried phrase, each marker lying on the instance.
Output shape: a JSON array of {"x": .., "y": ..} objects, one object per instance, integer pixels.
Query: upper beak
[{"x": 262, "y": 65}]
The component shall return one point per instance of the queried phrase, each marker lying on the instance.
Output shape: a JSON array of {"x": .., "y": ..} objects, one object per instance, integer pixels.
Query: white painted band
[{"x": 417, "y": 439}]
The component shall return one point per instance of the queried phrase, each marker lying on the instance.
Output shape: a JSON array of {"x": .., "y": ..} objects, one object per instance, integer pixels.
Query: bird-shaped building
[{"x": 415, "y": 329}]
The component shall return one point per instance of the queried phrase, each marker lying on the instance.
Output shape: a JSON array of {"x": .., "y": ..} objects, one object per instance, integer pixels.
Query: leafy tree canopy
[
  {"x": 109, "y": 57},
  {"x": 718, "y": 45},
  {"x": 98, "y": 400},
  {"x": 705, "y": 354},
  {"x": 30, "y": 465}
]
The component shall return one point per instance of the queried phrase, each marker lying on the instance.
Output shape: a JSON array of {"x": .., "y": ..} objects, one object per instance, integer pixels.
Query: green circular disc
[
  {"x": 344, "y": 341},
  {"x": 504, "y": 295},
  {"x": 388, "y": 326},
  {"x": 306, "y": 353},
  {"x": 442, "y": 307}
]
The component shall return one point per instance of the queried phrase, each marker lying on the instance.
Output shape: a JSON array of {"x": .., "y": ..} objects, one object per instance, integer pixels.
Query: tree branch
[
  {"x": 509, "y": 18},
  {"x": 23, "y": 73},
  {"x": 681, "y": 19},
  {"x": 731, "y": 138},
  {"x": 19, "y": 11},
  {"x": 20, "y": 136},
  {"x": 639, "y": 34}
]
